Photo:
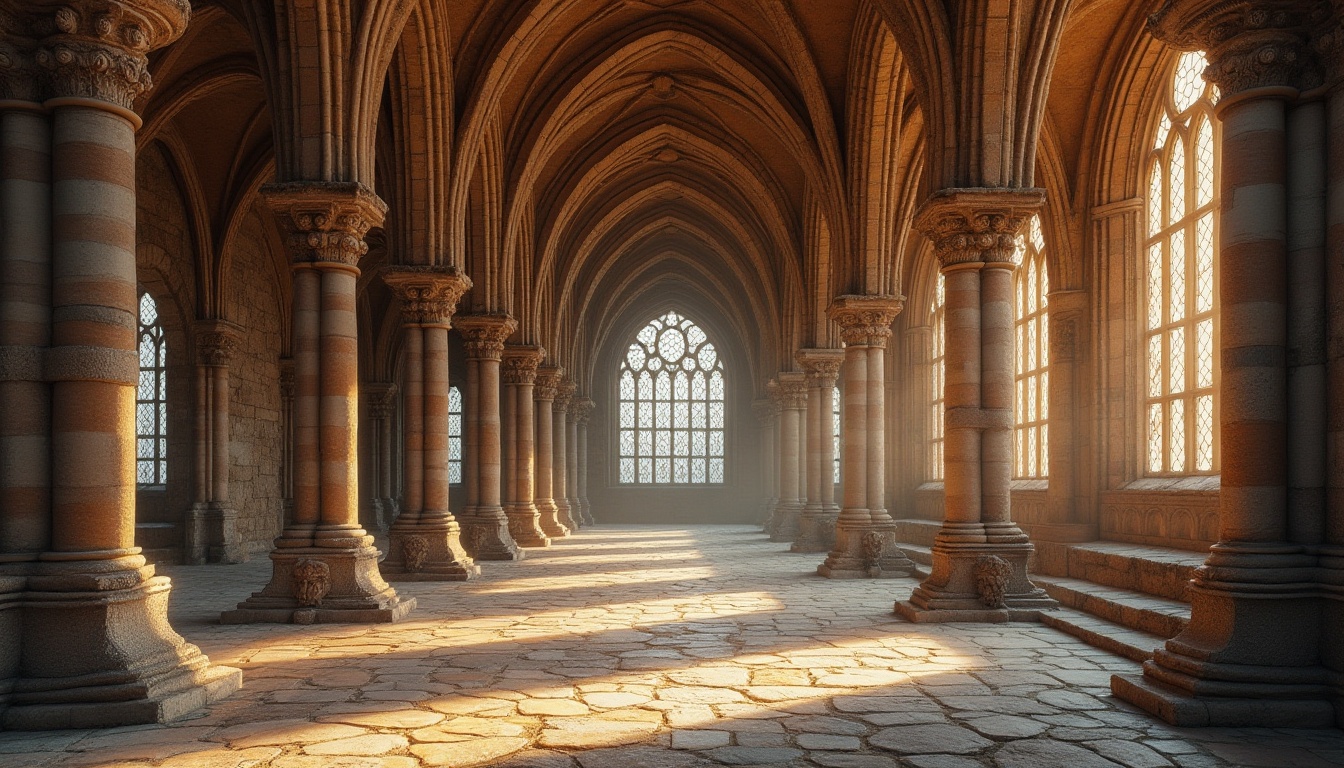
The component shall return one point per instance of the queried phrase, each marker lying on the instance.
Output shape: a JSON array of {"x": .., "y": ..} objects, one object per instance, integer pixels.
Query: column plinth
[
  {"x": 547, "y": 387},
  {"x": 816, "y": 524},
  {"x": 520, "y": 376},
  {"x": 792, "y": 393},
  {"x": 865, "y": 536}
]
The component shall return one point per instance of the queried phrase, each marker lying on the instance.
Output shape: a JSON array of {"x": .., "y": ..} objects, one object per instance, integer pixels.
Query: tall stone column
[
  {"x": 816, "y": 525},
  {"x": 212, "y": 523},
  {"x": 865, "y": 536},
  {"x": 92, "y": 646},
  {"x": 1068, "y": 519},
  {"x": 764, "y": 410},
  {"x": 382, "y": 411},
  {"x": 325, "y": 567},
  {"x": 582, "y": 410},
  {"x": 1255, "y": 620},
  {"x": 487, "y": 528},
  {"x": 980, "y": 556},
  {"x": 520, "y": 375},
  {"x": 1332, "y": 553},
  {"x": 424, "y": 542},
  {"x": 547, "y": 386},
  {"x": 560, "y": 454},
  {"x": 792, "y": 456}
]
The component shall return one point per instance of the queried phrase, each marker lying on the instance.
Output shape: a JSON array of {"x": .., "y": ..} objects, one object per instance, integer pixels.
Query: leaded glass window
[
  {"x": 671, "y": 405},
  {"x": 1180, "y": 375},
  {"x": 151, "y": 399},
  {"x": 454, "y": 435},
  {"x": 835, "y": 432},
  {"x": 1031, "y": 443},
  {"x": 937, "y": 375}
]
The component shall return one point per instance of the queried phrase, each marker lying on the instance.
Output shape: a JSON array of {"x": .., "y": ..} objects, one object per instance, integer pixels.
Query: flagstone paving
[{"x": 634, "y": 647}]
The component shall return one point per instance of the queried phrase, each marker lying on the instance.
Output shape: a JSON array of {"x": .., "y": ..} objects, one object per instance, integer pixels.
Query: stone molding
[
  {"x": 793, "y": 390},
  {"x": 484, "y": 335},
  {"x": 548, "y": 382},
  {"x": 520, "y": 364},
  {"x": 1250, "y": 44},
  {"x": 428, "y": 295},
  {"x": 382, "y": 398},
  {"x": 865, "y": 320},
  {"x": 325, "y": 221},
  {"x": 217, "y": 342},
  {"x": 822, "y": 365},
  {"x": 977, "y": 225}
]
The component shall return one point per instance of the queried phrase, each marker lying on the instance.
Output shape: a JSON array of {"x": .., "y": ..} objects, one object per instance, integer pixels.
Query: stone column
[
  {"x": 1255, "y": 622},
  {"x": 92, "y": 646},
  {"x": 865, "y": 536},
  {"x": 424, "y": 542},
  {"x": 325, "y": 567},
  {"x": 212, "y": 523},
  {"x": 286, "y": 440},
  {"x": 764, "y": 410},
  {"x": 1332, "y": 553},
  {"x": 548, "y": 382},
  {"x": 980, "y": 556},
  {"x": 560, "y": 454},
  {"x": 792, "y": 454},
  {"x": 583, "y": 412},
  {"x": 572, "y": 459},
  {"x": 382, "y": 398},
  {"x": 487, "y": 529},
  {"x": 816, "y": 525},
  {"x": 520, "y": 374},
  {"x": 1068, "y": 519}
]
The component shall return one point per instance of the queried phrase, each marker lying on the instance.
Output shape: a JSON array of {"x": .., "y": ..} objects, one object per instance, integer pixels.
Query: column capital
[
  {"x": 217, "y": 341},
  {"x": 520, "y": 363},
  {"x": 822, "y": 365},
  {"x": 484, "y": 335},
  {"x": 865, "y": 320},
  {"x": 428, "y": 294},
  {"x": 793, "y": 390},
  {"x": 325, "y": 221},
  {"x": 977, "y": 225},
  {"x": 381, "y": 396},
  {"x": 582, "y": 409},
  {"x": 765, "y": 411},
  {"x": 548, "y": 381},
  {"x": 564, "y": 395}
]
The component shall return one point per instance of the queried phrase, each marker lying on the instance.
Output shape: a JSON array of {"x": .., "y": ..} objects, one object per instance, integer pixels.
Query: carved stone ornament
[
  {"x": 519, "y": 364},
  {"x": 764, "y": 411},
  {"x": 548, "y": 382},
  {"x": 216, "y": 343},
  {"x": 865, "y": 321},
  {"x": 484, "y": 335},
  {"x": 793, "y": 390},
  {"x": 325, "y": 221},
  {"x": 564, "y": 395},
  {"x": 774, "y": 396},
  {"x": 822, "y": 365},
  {"x": 428, "y": 295},
  {"x": 992, "y": 574},
  {"x": 871, "y": 545},
  {"x": 581, "y": 408},
  {"x": 1249, "y": 43},
  {"x": 382, "y": 398},
  {"x": 968, "y": 226},
  {"x": 414, "y": 552},
  {"x": 312, "y": 582}
]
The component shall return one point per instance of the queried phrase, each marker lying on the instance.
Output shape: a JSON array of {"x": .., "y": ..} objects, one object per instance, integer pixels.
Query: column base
[
  {"x": 565, "y": 513},
  {"x": 427, "y": 550},
  {"x": 816, "y": 531},
  {"x": 586, "y": 511},
  {"x": 865, "y": 552},
  {"x": 324, "y": 580},
  {"x": 212, "y": 535},
  {"x": 784, "y": 521},
  {"x": 485, "y": 535},
  {"x": 525, "y": 526},
  {"x": 979, "y": 574},
  {"x": 96, "y": 651},
  {"x": 1179, "y": 708},
  {"x": 551, "y": 521}
]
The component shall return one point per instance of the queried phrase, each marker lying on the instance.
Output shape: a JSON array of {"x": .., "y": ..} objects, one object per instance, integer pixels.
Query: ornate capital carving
[
  {"x": 428, "y": 295},
  {"x": 216, "y": 342},
  {"x": 793, "y": 390},
  {"x": 581, "y": 408},
  {"x": 548, "y": 382},
  {"x": 765, "y": 411},
  {"x": 774, "y": 396},
  {"x": 1249, "y": 43},
  {"x": 967, "y": 226},
  {"x": 382, "y": 398},
  {"x": 865, "y": 320},
  {"x": 564, "y": 395},
  {"x": 484, "y": 335},
  {"x": 325, "y": 221},
  {"x": 520, "y": 364},
  {"x": 822, "y": 365}
]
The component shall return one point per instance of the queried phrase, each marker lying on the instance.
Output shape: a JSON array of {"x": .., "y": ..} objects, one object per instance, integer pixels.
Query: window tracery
[
  {"x": 151, "y": 398},
  {"x": 937, "y": 374},
  {"x": 671, "y": 401},
  {"x": 1031, "y": 433},
  {"x": 454, "y": 435},
  {"x": 835, "y": 434}
]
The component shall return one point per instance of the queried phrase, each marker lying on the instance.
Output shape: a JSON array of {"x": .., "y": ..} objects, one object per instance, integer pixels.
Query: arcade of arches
[{"x": 1029, "y": 313}]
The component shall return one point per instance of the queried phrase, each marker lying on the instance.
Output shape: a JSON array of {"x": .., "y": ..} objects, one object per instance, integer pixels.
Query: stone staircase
[{"x": 1124, "y": 598}]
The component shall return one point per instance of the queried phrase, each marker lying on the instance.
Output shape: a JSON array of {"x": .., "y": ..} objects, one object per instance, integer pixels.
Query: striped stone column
[
  {"x": 212, "y": 523},
  {"x": 816, "y": 524},
  {"x": 545, "y": 390},
  {"x": 486, "y": 531},
  {"x": 792, "y": 456},
  {"x": 520, "y": 425}
]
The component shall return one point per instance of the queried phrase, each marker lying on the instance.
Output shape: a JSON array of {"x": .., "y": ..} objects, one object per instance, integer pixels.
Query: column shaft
[
  {"x": 547, "y": 384},
  {"x": 520, "y": 373},
  {"x": 488, "y": 535},
  {"x": 816, "y": 525}
]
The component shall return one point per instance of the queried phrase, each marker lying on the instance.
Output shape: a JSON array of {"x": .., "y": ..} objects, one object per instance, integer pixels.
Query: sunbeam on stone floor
[{"x": 673, "y": 647}]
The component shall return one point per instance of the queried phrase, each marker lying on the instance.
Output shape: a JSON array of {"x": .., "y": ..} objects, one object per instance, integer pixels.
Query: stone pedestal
[
  {"x": 547, "y": 385},
  {"x": 486, "y": 531},
  {"x": 865, "y": 536},
  {"x": 816, "y": 524},
  {"x": 520, "y": 375}
]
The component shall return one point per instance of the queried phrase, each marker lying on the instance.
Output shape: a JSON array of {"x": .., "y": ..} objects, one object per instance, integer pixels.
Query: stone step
[
  {"x": 1156, "y": 571},
  {"x": 1146, "y": 613},
  {"x": 1103, "y": 634}
]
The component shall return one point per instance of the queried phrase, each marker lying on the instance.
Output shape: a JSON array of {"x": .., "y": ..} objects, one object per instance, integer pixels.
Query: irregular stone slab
[
  {"x": 930, "y": 739},
  {"x": 401, "y": 718},
  {"x": 787, "y": 692},
  {"x": 1070, "y": 700},
  {"x": 221, "y": 758},
  {"x": 1041, "y": 753},
  {"x": 723, "y": 677},
  {"x": 754, "y": 755},
  {"x": 821, "y": 724},
  {"x": 470, "y": 705},
  {"x": 555, "y": 707},
  {"x": 281, "y": 732},
  {"x": 883, "y": 704},
  {"x": 828, "y": 741},
  {"x": 591, "y": 732},
  {"x": 700, "y": 739},
  {"x": 461, "y": 754},
  {"x": 943, "y": 761},
  {"x": 1005, "y": 726},
  {"x": 364, "y": 746},
  {"x": 640, "y": 757},
  {"x": 1132, "y": 754},
  {"x": 614, "y": 700},
  {"x": 468, "y": 726},
  {"x": 700, "y": 695},
  {"x": 831, "y": 760}
]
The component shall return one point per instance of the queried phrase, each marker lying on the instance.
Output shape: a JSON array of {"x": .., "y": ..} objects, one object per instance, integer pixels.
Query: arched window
[
  {"x": 1031, "y": 286},
  {"x": 151, "y": 399},
  {"x": 835, "y": 431},
  {"x": 936, "y": 377},
  {"x": 454, "y": 435},
  {"x": 1180, "y": 378},
  {"x": 671, "y": 405}
]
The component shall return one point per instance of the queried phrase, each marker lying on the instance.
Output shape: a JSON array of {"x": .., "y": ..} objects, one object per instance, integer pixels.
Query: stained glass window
[
  {"x": 454, "y": 435},
  {"x": 835, "y": 431},
  {"x": 671, "y": 405},
  {"x": 151, "y": 399},
  {"x": 937, "y": 372},
  {"x": 1179, "y": 310},
  {"x": 1031, "y": 436}
]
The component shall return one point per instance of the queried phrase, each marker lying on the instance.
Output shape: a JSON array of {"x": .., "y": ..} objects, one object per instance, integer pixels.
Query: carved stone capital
[
  {"x": 564, "y": 395},
  {"x": 793, "y": 390},
  {"x": 865, "y": 320},
  {"x": 1250, "y": 44},
  {"x": 519, "y": 364},
  {"x": 428, "y": 295},
  {"x": 775, "y": 396},
  {"x": 548, "y": 382},
  {"x": 765, "y": 411},
  {"x": 382, "y": 398},
  {"x": 967, "y": 226},
  {"x": 325, "y": 221},
  {"x": 98, "y": 49},
  {"x": 216, "y": 342},
  {"x": 484, "y": 335},
  {"x": 822, "y": 365},
  {"x": 581, "y": 408}
]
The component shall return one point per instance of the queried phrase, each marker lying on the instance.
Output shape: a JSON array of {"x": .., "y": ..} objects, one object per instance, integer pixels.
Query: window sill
[{"x": 1186, "y": 483}]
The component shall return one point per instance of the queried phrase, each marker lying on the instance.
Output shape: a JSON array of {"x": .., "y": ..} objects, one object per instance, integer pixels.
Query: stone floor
[{"x": 624, "y": 647}]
